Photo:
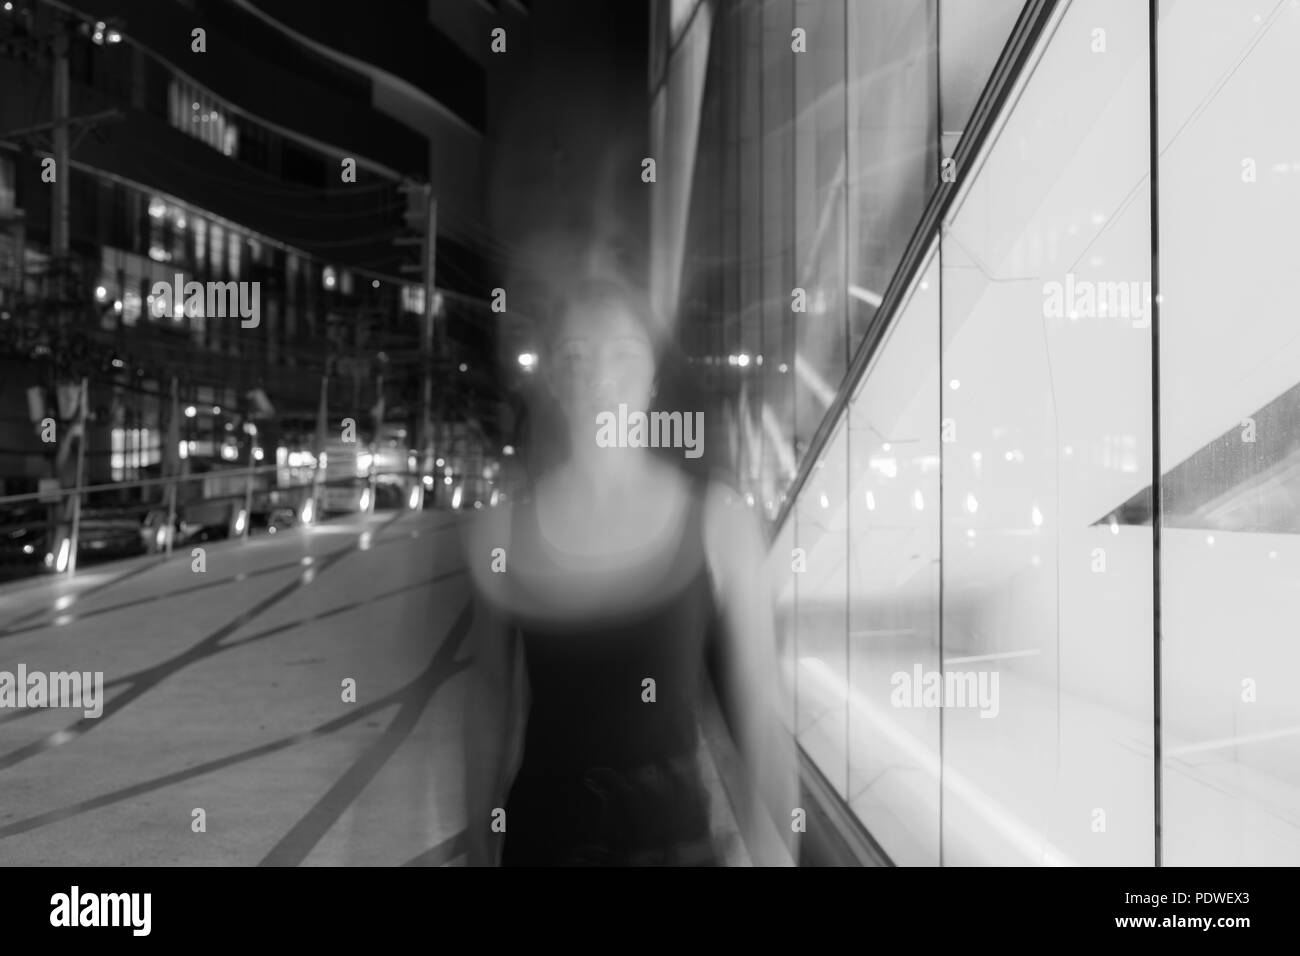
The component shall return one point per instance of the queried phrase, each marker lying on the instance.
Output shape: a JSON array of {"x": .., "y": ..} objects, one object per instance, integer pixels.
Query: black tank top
[{"x": 609, "y": 770}]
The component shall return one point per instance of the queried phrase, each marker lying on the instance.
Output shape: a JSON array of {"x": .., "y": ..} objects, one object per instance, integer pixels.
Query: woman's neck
[{"x": 604, "y": 476}]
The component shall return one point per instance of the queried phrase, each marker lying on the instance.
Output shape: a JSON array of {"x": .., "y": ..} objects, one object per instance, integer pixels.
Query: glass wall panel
[
  {"x": 1046, "y": 433},
  {"x": 1230, "y": 450},
  {"x": 820, "y": 180},
  {"x": 891, "y": 143},
  {"x": 894, "y": 583},
  {"x": 776, "y": 416}
]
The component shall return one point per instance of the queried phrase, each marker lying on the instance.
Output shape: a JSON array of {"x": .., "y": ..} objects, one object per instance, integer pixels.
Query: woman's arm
[
  {"x": 490, "y": 715},
  {"x": 752, "y": 682}
]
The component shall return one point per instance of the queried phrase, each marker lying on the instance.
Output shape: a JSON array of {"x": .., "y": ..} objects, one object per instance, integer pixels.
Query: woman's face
[{"x": 602, "y": 358}]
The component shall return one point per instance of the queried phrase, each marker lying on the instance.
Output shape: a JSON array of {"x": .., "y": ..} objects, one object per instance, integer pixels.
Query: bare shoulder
[
  {"x": 725, "y": 509},
  {"x": 732, "y": 533}
]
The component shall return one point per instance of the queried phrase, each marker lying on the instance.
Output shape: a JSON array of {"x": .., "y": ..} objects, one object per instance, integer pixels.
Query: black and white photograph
[{"x": 560, "y": 434}]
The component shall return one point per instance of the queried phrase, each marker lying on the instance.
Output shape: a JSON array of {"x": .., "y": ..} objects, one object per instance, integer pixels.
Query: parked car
[{"x": 29, "y": 540}]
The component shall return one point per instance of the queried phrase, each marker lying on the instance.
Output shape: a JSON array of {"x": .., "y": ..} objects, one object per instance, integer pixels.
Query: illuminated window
[
  {"x": 413, "y": 299},
  {"x": 233, "y": 250},
  {"x": 132, "y": 449},
  {"x": 200, "y": 114},
  {"x": 217, "y": 247},
  {"x": 200, "y": 243}
]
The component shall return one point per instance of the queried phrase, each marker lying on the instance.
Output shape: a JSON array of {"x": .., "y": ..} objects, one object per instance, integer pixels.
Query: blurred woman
[{"x": 596, "y": 595}]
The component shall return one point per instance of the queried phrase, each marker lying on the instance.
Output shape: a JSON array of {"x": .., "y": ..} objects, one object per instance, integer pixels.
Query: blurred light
[
  {"x": 8, "y": 7},
  {"x": 783, "y": 368},
  {"x": 871, "y": 501},
  {"x": 118, "y": 363},
  {"x": 308, "y": 511},
  {"x": 1209, "y": 539},
  {"x": 865, "y": 295},
  {"x": 886, "y": 466},
  {"x": 742, "y": 359},
  {"x": 972, "y": 504},
  {"x": 365, "y": 500},
  {"x": 1036, "y": 516},
  {"x": 216, "y": 409},
  {"x": 463, "y": 367},
  {"x": 157, "y": 208},
  {"x": 240, "y": 521},
  {"x": 374, "y": 283},
  {"x": 508, "y": 450},
  {"x": 447, "y": 480},
  {"x": 114, "y": 36},
  {"x": 329, "y": 278},
  {"x": 455, "y": 497},
  {"x": 29, "y": 549},
  {"x": 526, "y": 360},
  {"x": 101, "y": 293},
  {"x": 414, "y": 500},
  {"x": 826, "y": 502},
  {"x": 190, "y": 411},
  {"x": 970, "y": 532},
  {"x": 364, "y": 542},
  {"x": 918, "y": 501},
  {"x": 258, "y": 454},
  {"x": 440, "y": 462},
  {"x": 229, "y": 453},
  {"x": 492, "y": 502},
  {"x": 428, "y": 481},
  {"x": 184, "y": 449},
  {"x": 64, "y": 550},
  {"x": 364, "y": 461},
  {"x": 117, "y": 305},
  {"x": 954, "y": 384},
  {"x": 1114, "y": 526}
]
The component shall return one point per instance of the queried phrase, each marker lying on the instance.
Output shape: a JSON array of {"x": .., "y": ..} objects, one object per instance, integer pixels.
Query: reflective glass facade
[{"x": 1019, "y": 405}]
